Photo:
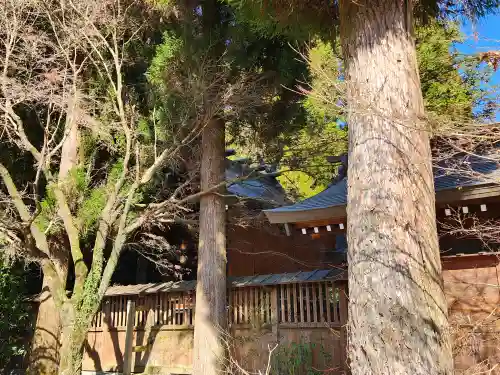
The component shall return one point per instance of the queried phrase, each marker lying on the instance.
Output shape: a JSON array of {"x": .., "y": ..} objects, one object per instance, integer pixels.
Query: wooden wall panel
[{"x": 254, "y": 251}]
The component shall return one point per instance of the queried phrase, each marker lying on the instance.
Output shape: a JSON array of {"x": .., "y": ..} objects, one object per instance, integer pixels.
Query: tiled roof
[
  {"x": 482, "y": 172},
  {"x": 476, "y": 172},
  {"x": 236, "y": 282},
  {"x": 263, "y": 186},
  {"x": 335, "y": 195}
]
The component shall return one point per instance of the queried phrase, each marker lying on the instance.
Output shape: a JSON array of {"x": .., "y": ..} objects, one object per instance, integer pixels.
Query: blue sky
[{"x": 481, "y": 37}]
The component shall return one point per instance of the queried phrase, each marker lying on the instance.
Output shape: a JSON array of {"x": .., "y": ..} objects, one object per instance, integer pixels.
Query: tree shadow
[
  {"x": 96, "y": 354},
  {"x": 43, "y": 359},
  {"x": 43, "y": 353},
  {"x": 147, "y": 335},
  {"x": 142, "y": 358}
]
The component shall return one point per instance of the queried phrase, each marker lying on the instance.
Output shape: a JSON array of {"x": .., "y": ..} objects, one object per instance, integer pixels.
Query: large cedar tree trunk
[
  {"x": 397, "y": 308},
  {"x": 210, "y": 317}
]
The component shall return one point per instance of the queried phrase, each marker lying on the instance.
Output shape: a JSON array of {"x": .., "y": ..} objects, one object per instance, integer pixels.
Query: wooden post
[
  {"x": 246, "y": 302},
  {"x": 308, "y": 303},
  {"x": 322, "y": 317},
  {"x": 288, "y": 289},
  {"x": 164, "y": 320},
  {"x": 315, "y": 302},
  {"x": 327, "y": 301},
  {"x": 106, "y": 315},
  {"x": 231, "y": 307},
  {"x": 262, "y": 304},
  {"x": 274, "y": 310},
  {"x": 301, "y": 303},
  {"x": 343, "y": 329},
  {"x": 282, "y": 300},
  {"x": 151, "y": 318},
  {"x": 129, "y": 339},
  {"x": 240, "y": 305}
]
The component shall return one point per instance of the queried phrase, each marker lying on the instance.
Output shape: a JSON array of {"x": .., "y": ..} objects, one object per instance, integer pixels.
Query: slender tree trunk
[
  {"x": 72, "y": 337},
  {"x": 397, "y": 309},
  {"x": 210, "y": 318},
  {"x": 73, "y": 332}
]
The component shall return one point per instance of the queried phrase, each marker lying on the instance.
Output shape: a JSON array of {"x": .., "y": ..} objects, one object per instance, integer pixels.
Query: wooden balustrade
[{"x": 296, "y": 304}]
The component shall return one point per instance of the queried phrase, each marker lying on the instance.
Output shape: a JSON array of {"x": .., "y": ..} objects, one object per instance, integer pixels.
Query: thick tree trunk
[
  {"x": 73, "y": 335},
  {"x": 210, "y": 318},
  {"x": 72, "y": 340},
  {"x": 397, "y": 309},
  {"x": 45, "y": 346}
]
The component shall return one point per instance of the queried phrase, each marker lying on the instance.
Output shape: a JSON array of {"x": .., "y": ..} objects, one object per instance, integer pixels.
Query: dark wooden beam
[{"x": 467, "y": 193}]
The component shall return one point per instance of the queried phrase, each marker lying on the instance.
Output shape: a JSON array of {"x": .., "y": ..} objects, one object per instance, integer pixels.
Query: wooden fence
[
  {"x": 258, "y": 316},
  {"x": 163, "y": 309},
  {"x": 306, "y": 304}
]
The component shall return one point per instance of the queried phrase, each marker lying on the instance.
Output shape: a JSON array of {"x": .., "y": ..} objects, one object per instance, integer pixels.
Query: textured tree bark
[
  {"x": 73, "y": 336},
  {"x": 210, "y": 317},
  {"x": 44, "y": 352},
  {"x": 48, "y": 353},
  {"x": 71, "y": 351},
  {"x": 72, "y": 341},
  {"x": 397, "y": 309},
  {"x": 70, "y": 148}
]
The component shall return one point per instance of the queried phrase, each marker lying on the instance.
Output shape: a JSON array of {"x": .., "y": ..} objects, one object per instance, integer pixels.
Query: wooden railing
[
  {"x": 309, "y": 303},
  {"x": 162, "y": 324},
  {"x": 161, "y": 309},
  {"x": 302, "y": 304}
]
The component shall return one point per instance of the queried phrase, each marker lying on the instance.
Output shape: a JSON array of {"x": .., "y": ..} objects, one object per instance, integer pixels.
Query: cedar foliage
[{"x": 456, "y": 88}]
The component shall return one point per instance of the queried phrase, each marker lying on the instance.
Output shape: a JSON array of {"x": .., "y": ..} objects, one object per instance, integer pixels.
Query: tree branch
[
  {"x": 73, "y": 234},
  {"x": 39, "y": 237},
  {"x": 121, "y": 235}
]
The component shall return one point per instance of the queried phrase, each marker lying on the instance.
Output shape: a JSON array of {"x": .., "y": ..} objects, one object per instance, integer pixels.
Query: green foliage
[
  {"x": 453, "y": 86},
  {"x": 88, "y": 201},
  {"x": 311, "y": 173},
  {"x": 114, "y": 173},
  {"x": 88, "y": 145},
  {"x": 177, "y": 87},
  {"x": 264, "y": 130},
  {"x": 47, "y": 212},
  {"x": 300, "y": 185},
  {"x": 322, "y": 134},
  {"x": 300, "y": 19},
  {"x": 471, "y": 9},
  {"x": 91, "y": 208},
  {"x": 93, "y": 198},
  {"x": 443, "y": 88},
  {"x": 78, "y": 179},
  {"x": 14, "y": 316},
  {"x": 326, "y": 87},
  {"x": 165, "y": 60},
  {"x": 297, "y": 359},
  {"x": 162, "y": 4},
  {"x": 295, "y": 19}
]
